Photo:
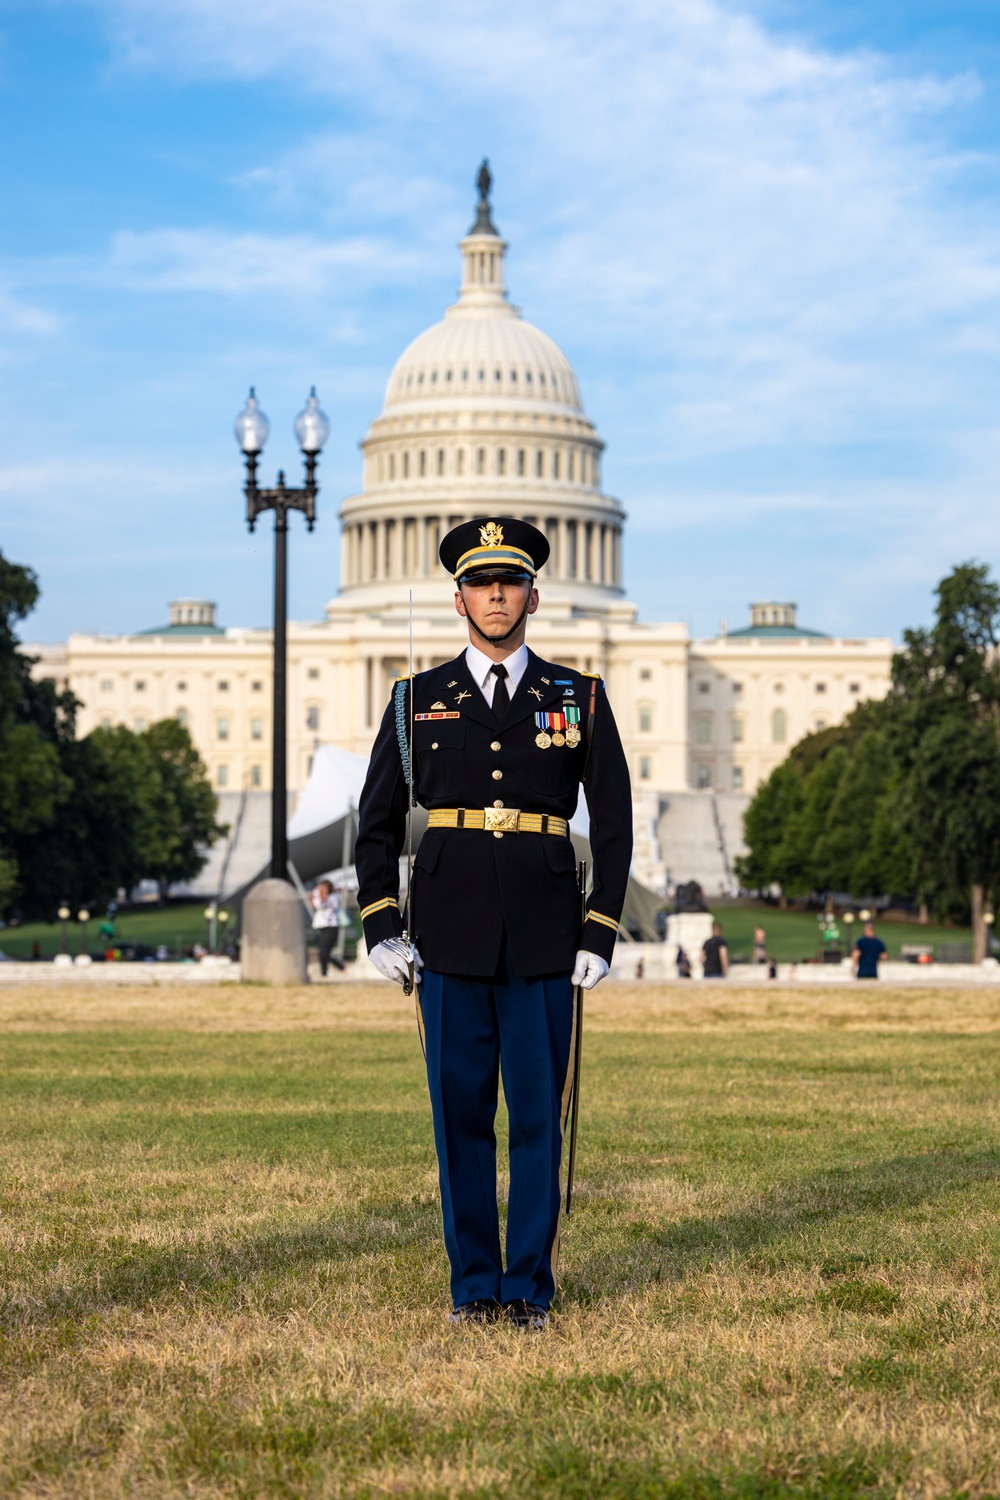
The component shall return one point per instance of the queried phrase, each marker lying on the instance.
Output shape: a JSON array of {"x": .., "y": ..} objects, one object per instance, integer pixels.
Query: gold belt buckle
[{"x": 501, "y": 819}]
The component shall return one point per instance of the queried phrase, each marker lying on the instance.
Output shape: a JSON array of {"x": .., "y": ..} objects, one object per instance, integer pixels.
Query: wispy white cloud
[
  {"x": 752, "y": 247},
  {"x": 235, "y": 264}
]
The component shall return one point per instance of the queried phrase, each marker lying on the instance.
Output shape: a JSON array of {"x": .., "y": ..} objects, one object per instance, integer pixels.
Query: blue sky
[{"x": 767, "y": 235}]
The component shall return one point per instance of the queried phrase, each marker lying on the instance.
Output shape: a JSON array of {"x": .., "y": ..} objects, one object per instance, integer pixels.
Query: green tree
[
  {"x": 180, "y": 814},
  {"x": 81, "y": 818},
  {"x": 904, "y": 796},
  {"x": 35, "y": 722}
]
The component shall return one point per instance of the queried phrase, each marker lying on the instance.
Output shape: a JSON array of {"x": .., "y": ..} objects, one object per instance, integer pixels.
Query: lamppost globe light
[
  {"x": 208, "y": 913},
  {"x": 63, "y": 913},
  {"x": 223, "y": 915},
  {"x": 251, "y": 426},
  {"x": 312, "y": 427},
  {"x": 83, "y": 915}
]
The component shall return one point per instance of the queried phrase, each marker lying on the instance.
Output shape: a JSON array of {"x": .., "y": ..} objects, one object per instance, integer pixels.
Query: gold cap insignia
[{"x": 491, "y": 535}]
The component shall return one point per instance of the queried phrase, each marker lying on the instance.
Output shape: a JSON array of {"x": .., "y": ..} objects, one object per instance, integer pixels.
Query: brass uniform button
[
  {"x": 435, "y": 745},
  {"x": 495, "y": 745},
  {"x": 498, "y": 835},
  {"x": 498, "y": 803},
  {"x": 497, "y": 775}
]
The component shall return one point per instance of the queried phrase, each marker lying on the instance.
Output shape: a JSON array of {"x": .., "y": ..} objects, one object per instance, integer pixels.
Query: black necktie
[{"x": 501, "y": 697}]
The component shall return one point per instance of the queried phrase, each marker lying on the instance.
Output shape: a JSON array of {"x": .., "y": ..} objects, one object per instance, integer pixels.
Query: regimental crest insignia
[
  {"x": 436, "y": 706},
  {"x": 491, "y": 535}
]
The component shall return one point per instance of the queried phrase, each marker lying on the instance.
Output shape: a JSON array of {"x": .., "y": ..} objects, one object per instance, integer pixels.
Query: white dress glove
[
  {"x": 588, "y": 970},
  {"x": 391, "y": 957}
]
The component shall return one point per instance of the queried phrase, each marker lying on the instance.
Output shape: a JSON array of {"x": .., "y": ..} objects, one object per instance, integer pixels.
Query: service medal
[
  {"x": 558, "y": 739},
  {"x": 543, "y": 740},
  {"x": 572, "y": 737}
]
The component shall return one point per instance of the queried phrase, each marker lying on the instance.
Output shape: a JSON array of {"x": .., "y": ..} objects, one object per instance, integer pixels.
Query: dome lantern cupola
[{"x": 483, "y": 251}]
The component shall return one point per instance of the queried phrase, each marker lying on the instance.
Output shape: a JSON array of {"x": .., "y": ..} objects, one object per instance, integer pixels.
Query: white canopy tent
[{"x": 322, "y": 830}]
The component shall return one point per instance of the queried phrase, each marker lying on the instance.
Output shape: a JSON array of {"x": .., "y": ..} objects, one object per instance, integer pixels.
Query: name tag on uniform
[{"x": 448, "y": 714}]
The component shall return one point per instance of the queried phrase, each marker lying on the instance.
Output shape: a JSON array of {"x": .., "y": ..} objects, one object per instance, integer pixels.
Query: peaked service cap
[{"x": 498, "y": 547}]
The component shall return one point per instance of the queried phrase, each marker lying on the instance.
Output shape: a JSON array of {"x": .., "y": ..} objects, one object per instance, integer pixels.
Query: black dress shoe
[
  {"x": 526, "y": 1315},
  {"x": 483, "y": 1310}
]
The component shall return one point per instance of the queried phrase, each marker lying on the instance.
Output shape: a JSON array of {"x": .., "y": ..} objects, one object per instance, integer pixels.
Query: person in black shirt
[
  {"x": 715, "y": 954},
  {"x": 867, "y": 951}
]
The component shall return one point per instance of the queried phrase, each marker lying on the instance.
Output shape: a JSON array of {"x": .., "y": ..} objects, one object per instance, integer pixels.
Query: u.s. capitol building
[{"x": 482, "y": 416}]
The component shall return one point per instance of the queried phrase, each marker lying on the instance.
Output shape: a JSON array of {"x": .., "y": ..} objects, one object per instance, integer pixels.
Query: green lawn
[
  {"x": 794, "y": 936},
  {"x": 221, "y": 1272},
  {"x": 178, "y": 926}
]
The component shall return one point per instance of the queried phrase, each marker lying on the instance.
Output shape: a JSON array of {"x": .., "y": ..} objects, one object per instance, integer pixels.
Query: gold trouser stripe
[
  {"x": 475, "y": 817},
  {"x": 366, "y": 911},
  {"x": 564, "y": 1104},
  {"x": 595, "y": 916}
]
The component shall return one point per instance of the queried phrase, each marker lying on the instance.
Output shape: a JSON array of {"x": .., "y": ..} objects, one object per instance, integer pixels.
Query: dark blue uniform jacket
[{"x": 470, "y": 887}]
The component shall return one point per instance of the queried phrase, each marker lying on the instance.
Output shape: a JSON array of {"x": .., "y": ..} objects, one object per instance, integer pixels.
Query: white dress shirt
[{"x": 481, "y": 667}]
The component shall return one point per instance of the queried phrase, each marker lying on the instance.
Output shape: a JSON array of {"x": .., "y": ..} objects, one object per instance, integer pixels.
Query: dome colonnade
[{"x": 482, "y": 413}]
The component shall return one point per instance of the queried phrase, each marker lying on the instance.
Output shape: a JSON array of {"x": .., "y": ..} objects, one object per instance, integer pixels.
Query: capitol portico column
[{"x": 563, "y": 569}]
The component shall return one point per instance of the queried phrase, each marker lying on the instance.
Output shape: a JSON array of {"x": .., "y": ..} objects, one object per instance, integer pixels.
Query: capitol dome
[{"x": 482, "y": 414}]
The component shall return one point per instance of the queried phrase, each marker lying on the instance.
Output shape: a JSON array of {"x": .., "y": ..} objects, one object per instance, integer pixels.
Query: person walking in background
[
  {"x": 715, "y": 954},
  {"x": 759, "y": 945},
  {"x": 326, "y": 923},
  {"x": 867, "y": 951}
]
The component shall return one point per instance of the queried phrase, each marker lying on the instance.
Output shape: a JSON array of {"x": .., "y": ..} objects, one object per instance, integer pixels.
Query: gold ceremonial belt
[{"x": 497, "y": 820}]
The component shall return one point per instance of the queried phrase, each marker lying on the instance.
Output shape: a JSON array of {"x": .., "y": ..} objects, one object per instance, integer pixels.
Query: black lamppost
[{"x": 312, "y": 430}]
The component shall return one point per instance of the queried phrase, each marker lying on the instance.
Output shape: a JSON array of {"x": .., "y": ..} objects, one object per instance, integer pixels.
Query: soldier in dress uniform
[{"x": 501, "y": 743}]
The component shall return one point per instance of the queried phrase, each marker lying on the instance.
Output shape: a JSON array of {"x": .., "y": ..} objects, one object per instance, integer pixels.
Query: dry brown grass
[{"x": 222, "y": 1276}]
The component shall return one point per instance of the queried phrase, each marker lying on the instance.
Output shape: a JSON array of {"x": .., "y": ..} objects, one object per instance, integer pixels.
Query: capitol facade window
[
  {"x": 182, "y": 717},
  {"x": 704, "y": 776},
  {"x": 222, "y": 729},
  {"x": 645, "y": 768},
  {"x": 256, "y": 729},
  {"x": 312, "y": 716},
  {"x": 222, "y": 776},
  {"x": 255, "y": 776},
  {"x": 460, "y": 461},
  {"x": 645, "y": 719},
  {"x": 256, "y": 687},
  {"x": 501, "y": 460},
  {"x": 737, "y": 730},
  {"x": 139, "y": 724},
  {"x": 520, "y": 462},
  {"x": 737, "y": 778},
  {"x": 778, "y": 726},
  {"x": 703, "y": 729},
  {"x": 539, "y": 464},
  {"x": 481, "y": 461},
  {"x": 440, "y": 460},
  {"x": 106, "y": 685},
  {"x": 140, "y": 686}
]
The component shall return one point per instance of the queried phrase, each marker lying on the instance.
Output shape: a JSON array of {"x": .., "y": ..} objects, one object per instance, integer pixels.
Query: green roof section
[
  {"x": 187, "y": 617},
  {"x": 774, "y": 621},
  {"x": 170, "y": 630},
  {"x": 775, "y": 632}
]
